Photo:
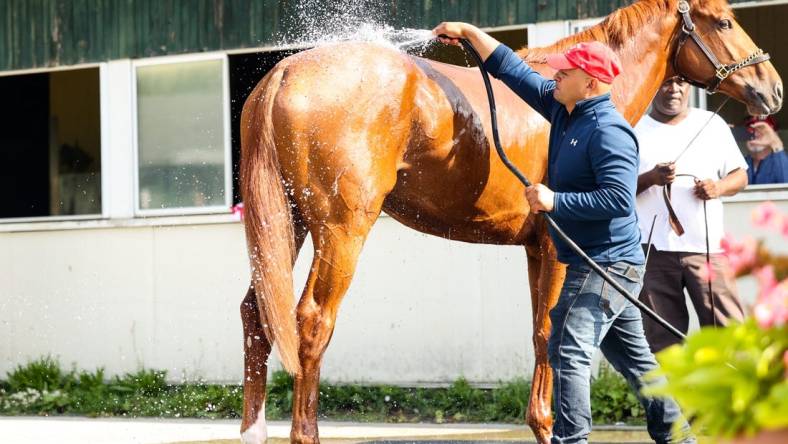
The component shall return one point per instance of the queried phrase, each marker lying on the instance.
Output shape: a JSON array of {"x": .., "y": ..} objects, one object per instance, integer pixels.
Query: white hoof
[{"x": 257, "y": 433}]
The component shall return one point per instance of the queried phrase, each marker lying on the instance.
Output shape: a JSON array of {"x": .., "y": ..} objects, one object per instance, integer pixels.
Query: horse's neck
[
  {"x": 644, "y": 58},
  {"x": 645, "y": 63}
]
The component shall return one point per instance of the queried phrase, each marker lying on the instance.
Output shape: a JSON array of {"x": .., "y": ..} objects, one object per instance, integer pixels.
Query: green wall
[{"x": 40, "y": 33}]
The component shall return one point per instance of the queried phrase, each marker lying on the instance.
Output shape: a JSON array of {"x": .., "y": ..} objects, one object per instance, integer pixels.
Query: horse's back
[
  {"x": 343, "y": 79},
  {"x": 420, "y": 128}
]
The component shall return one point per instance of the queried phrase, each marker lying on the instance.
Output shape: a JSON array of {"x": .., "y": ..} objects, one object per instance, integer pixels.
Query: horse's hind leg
[
  {"x": 545, "y": 275},
  {"x": 338, "y": 228},
  {"x": 336, "y": 253},
  {"x": 256, "y": 352}
]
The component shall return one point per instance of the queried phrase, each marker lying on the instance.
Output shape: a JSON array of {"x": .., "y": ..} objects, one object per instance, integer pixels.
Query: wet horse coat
[{"x": 335, "y": 135}]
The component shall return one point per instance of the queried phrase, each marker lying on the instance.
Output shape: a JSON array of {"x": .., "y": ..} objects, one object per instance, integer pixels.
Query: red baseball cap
[
  {"x": 595, "y": 58},
  {"x": 751, "y": 120}
]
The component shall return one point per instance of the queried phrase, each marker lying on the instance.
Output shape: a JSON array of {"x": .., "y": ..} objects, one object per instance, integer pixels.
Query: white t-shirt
[{"x": 713, "y": 155}]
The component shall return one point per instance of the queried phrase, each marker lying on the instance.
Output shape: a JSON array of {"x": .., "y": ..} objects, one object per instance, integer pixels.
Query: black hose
[{"x": 491, "y": 98}]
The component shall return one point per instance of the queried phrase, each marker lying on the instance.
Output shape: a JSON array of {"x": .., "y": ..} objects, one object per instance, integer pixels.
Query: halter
[{"x": 721, "y": 72}]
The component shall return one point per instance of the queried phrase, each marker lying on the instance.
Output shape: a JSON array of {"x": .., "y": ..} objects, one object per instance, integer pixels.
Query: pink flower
[
  {"x": 740, "y": 254},
  {"x": 707, "y": 272},
  {"x": 765, "y": 214},
  {"x": 784, "y": 228},
  {"x": 771, "y": 308},
  {"x": 766, "y": 279},
  {"x": 238, "y": 211}
]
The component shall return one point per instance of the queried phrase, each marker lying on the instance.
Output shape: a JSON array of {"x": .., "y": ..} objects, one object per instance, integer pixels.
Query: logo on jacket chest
[{"x": 573, "y": 142}]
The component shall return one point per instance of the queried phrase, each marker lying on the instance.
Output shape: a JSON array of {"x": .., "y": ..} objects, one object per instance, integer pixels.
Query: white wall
[{"x": 420, "y": 310}]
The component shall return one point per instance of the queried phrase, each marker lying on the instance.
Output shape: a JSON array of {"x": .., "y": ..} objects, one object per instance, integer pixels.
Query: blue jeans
[{"x": 591, "y": 314}]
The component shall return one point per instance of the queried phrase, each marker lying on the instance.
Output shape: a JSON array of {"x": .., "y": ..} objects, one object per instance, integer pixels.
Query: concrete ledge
[{"x": 77, "y": 430}]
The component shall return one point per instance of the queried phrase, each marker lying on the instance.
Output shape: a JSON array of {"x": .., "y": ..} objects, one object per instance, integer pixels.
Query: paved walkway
[{"x": 72, "y": 430}]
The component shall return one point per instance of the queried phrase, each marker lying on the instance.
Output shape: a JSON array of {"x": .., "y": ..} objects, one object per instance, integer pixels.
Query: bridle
[{"x": 721, "y": 71}]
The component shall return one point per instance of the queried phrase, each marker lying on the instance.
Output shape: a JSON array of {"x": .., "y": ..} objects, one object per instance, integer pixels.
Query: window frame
[
  {"x": 226, "y": 124},
  {"x": 103, "y": 214}
]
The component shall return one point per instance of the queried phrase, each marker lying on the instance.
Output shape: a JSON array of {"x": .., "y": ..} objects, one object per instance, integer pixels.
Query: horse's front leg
[{"x": 545, "y": 276}]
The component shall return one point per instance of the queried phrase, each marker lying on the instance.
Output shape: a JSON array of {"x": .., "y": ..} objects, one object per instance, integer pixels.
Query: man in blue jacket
[{"x": 592, "y": 179}]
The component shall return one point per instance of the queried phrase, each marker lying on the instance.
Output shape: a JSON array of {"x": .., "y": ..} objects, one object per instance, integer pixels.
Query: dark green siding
[{"x": 38, "y": 33}]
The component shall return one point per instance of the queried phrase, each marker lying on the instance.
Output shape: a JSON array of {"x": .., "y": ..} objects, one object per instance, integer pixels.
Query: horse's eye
[{"x": 726, "y": 24}]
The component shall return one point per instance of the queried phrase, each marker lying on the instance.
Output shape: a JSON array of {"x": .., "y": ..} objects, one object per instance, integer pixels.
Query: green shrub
[
  {"x": 42, "y": 374},
  {"x": 612, "y": 400},
  {"x": 730, "y": 380},
  {"x": 41, "y": 387}
]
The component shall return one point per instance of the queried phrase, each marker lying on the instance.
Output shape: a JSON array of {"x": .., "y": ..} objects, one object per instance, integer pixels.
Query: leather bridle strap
[
  {"x": 673, "y": 219},
  {"x": 721, "y": 71}
]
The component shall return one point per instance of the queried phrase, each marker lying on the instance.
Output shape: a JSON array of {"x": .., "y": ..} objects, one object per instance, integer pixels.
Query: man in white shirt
[{"x": 712, "y": 167}]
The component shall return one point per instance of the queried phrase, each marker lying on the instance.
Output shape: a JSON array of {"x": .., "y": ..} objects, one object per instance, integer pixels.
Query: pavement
[{"x": 79, "y": 430}]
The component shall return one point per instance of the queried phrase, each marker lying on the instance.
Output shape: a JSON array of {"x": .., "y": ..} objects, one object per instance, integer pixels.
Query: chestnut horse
[{"x": 335, "y": 135}]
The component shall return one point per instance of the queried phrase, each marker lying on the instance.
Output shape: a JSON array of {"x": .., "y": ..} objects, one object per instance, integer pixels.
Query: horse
[{"x": 333, "y": 136}]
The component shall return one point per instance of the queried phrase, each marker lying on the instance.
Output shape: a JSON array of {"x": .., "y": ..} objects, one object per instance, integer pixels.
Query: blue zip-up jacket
[
  {"x": 592, "y": 166},
  {"x": 772, "y": 169}
]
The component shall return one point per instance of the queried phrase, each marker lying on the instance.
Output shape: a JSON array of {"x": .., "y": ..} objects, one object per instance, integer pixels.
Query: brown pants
[{"x": 668, "y": 273}]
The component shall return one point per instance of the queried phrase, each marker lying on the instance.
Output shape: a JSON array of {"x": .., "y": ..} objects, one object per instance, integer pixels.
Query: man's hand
[
  {"x": 454, "y": 31},
  {"x": 764, "y": 135},
  {"x": 664, "y": 173},
  {"x": 661, "y": 174},
  {"x": 540, "y": 198},
  {"x": 706, "y": 189}
]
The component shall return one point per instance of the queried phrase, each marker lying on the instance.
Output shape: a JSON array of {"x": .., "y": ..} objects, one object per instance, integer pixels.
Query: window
[
  {"x": 50, "y": 145},
  {"x": 183, "y": 149},
  {"x": 246, "y": 71}
]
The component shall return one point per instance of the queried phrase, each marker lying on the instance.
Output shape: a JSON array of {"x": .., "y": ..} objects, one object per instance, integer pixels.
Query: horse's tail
[{"x": 269, "y": 222}]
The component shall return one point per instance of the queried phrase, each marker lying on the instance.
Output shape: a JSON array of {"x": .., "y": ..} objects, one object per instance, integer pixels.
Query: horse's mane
[{"x": 622, "y": 25}]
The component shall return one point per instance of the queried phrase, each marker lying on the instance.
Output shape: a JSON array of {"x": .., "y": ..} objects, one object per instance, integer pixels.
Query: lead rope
[
  {"x": 708, "y": 267},
  {"x": 708, "y": 254},
  {"x": 676, "y": 225},
  {"x": 716, "y": 112}
]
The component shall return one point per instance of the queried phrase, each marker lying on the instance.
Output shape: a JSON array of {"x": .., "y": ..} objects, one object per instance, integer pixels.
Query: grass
[{"x": 43, "y": 387}]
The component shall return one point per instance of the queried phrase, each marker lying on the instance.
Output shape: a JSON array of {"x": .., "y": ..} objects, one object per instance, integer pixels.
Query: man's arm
[
  {"x": 614, "y": 160},
  {"x": 729, "y": 185},
  {"x": 732, "y": 173},
  {"x": 502, "y": 63},
  {"x": 733, "y": 182}
]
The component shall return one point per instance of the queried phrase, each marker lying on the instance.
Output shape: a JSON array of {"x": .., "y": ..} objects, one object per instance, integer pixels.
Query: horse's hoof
[
  {"x": 543, "y": 436},
  {"x": 542, "y": 430},
  {"x": 299, "y": 438},
  {"x": 257, "y": 433}
]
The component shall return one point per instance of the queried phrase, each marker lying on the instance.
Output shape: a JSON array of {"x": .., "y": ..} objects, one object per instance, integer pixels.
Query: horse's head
[{"x": 712, "y": 51}]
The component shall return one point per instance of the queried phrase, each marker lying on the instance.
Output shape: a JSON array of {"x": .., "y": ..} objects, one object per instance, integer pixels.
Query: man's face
[
  {"x": 571, "y": 85},
  {"x": 672, "y": 97}
]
